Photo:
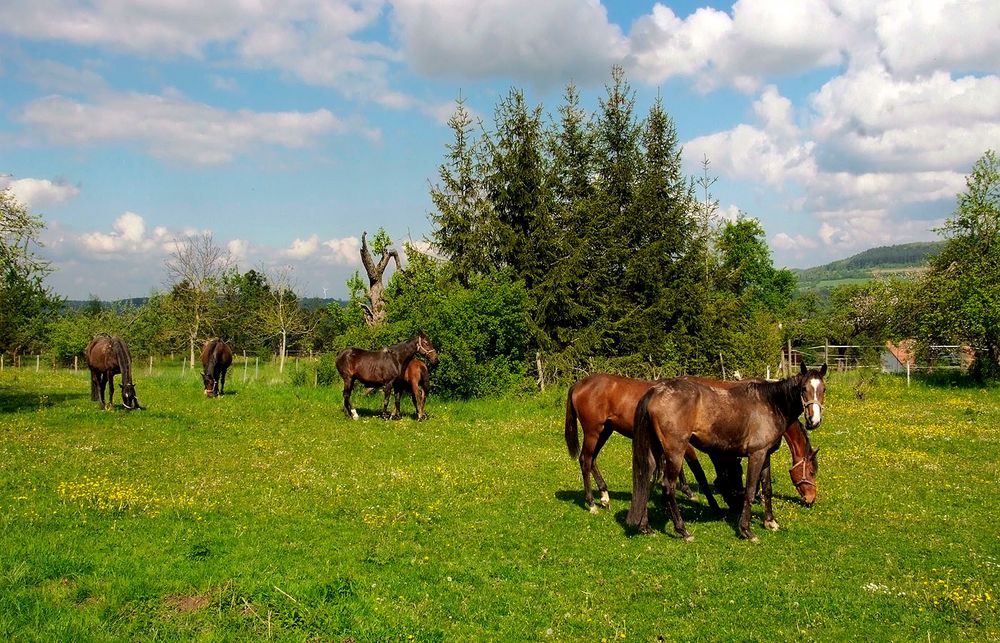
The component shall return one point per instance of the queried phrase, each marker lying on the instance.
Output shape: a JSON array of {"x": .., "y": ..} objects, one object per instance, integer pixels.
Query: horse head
[
  {"x": 803, "y": 474},
  {"x": 813, "y": 392},
  {"x": 426, "y": 348},
  {"x": 209, "y": 383},
  {"x": 129, "y": 400}
]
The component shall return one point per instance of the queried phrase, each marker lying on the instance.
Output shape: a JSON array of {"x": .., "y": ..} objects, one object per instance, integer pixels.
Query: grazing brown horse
[
  {"x": 745, "y": 420},
  {"x": 216, "y": 358},
  {"x": 416, "y": 381},
  {"x": 378, "y": 368},
  {"x": 108, "y": 356},
  {"x": 605, "y": 403}
]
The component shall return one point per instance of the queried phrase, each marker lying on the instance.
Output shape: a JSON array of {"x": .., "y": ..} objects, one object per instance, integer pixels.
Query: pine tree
[{"x": 461, "y": 230}]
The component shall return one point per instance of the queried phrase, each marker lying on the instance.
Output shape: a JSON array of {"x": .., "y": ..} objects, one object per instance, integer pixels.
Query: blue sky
[{"x": 286, "y": 128}]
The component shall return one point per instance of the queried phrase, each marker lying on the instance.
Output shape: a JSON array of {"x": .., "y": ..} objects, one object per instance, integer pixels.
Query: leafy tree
[
  {"x": 960, "y": 295},
  {"x": 196, "y": 270},
  {"x": 281, "y": 315},
  {"x": 375, "y": 307},
  {"x": 26, "y": 304}
]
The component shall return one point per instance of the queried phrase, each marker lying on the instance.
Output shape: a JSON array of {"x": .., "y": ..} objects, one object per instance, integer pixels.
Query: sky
[{"x": 286, "y": 128}]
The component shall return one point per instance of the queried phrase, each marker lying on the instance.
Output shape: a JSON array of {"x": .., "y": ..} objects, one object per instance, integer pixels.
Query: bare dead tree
[
  {"x": 282, "y": 314},
  {"x": 195, "y": 272},
  {"x": 375, "y": 310}
]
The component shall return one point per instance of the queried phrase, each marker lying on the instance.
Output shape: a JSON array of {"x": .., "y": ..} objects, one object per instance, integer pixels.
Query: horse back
[
  {"x": 100, "y": 355},
  {"x": 729, "y": 418},
  {"x": 603, "y": 399}
]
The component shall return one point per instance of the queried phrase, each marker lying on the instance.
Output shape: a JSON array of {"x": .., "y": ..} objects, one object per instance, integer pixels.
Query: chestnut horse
[
  {"x": 108, "y": 356},
  {"x": 416, "y": 381},
  {"x": 380, "y": 368},
  {"x": 747, "y": 419},
  {"x": 216, "y": 358}
]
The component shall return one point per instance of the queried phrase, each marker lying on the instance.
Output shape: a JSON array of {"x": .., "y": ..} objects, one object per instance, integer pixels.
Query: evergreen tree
[{"x": 461, "y": 216}]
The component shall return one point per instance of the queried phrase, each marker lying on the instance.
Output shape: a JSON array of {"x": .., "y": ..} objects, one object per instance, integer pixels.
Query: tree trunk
[
  {"x": 284, "y": 339},
  {"x": 375, "y": 313}
]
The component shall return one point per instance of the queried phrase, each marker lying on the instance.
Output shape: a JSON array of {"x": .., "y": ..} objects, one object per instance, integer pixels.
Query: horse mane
[
  {"x": 210, "y": 367},
  {"x": 785, "y": 394},
  {"x": 124, "y": 359}
]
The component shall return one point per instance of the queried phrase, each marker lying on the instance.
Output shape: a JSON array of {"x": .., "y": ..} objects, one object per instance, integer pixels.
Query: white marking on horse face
[{"x": 816, "y": 417}]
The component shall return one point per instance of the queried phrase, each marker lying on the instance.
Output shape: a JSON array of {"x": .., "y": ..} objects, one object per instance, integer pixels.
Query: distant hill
[
  {"x": 907, "y": 258},
  {"x": 309, "y": 303}
]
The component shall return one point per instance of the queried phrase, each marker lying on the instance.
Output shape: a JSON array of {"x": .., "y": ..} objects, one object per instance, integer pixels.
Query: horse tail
[
  {"x": 572, "y": 437},
  {"x": 124, "y": 359},
  {"x": 643, "y": 464}
]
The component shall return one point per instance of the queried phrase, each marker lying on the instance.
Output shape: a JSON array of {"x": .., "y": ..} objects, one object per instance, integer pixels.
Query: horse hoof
[
  {"x": 605, "y": 499},
  {"x": 771, "y": 524},
  {"x": 689, "y": 538},
  {"x": 354, "y": 414}
]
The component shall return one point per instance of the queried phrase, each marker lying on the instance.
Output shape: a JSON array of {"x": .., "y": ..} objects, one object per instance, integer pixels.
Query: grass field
[{"x": 267, "y": 515}]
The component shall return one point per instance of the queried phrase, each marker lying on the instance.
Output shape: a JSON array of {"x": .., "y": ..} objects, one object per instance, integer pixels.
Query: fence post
[
  {"x": 38, "y": 362},
  {"x": 75, "y": 358},
  {"x": 1, "y": 362},
  {"x": 256, "y": 366},
  {"x": 244, "y": 367},
  {"x": 907, "y": 373},
  {"x": 150, "y": 365}
]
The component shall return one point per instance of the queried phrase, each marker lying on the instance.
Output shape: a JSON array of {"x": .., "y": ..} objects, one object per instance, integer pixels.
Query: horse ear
[
  {"x": 802, "y": 367},
  {"x": 822, "y": 370}
]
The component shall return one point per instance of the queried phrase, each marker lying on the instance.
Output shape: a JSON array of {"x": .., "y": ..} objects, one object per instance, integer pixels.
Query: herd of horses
[{"x": 667, "y": 421}]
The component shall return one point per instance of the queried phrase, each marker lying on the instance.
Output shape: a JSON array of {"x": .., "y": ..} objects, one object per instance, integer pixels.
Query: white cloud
[
  {"x": 759, "y": 38},
  {"x": 784, "y": 241},
  {"x": 346, "y": 251},
  {"x": 920, "y": 37},
  {"x": 302, "y": 248},
  {"x": 36, "y": 193},
  {"x": 173, "y": 127},
  {"x": 545, "y": 43}
]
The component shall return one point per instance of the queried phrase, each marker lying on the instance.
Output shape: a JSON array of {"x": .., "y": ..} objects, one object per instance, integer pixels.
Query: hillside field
[{"x": 268, "y": 515}]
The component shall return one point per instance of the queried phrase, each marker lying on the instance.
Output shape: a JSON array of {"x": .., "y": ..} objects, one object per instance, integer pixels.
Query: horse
[
  {"x": 108, "y": 356},
  {"x": 603, "y": 404},
  {"x": 804, "y": 462},
  {"x": 216, "y": 358},
  {"x": 416, "y": 380},
  {"x": 747, "y": 420},
  {"x": 382, "y": 367}
]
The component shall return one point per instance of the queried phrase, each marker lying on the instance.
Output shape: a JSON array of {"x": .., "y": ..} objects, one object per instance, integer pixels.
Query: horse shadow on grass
[
  {"x": 15, "y": 401},
  {"x": 692, "y": 511}
]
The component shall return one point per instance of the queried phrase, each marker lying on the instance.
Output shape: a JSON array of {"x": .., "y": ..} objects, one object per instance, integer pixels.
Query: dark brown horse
[
  {"x": 376, "y": 369},
  {"x": 746, "y": 420},
  {"x": 605, "y": 403},
  {"x": 108, "y": 356},
  {"x": 216, "y": 358},
  {"x": 416, "y": 381}
]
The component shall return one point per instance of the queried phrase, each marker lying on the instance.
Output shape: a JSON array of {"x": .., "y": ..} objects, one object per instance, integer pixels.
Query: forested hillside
[{"x": 902, "y": 258}]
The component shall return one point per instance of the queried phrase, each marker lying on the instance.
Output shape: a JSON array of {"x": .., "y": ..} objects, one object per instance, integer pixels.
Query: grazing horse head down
[
  {"x": 216, "y": 358},
  {"x": 746, "y": 420},
  {"x": 106, "y": 357},
  {"x": 376, "y": 369}
]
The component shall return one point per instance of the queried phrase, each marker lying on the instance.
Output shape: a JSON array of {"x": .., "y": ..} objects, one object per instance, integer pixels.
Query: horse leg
[
  {"x": 111, "y": 390},
  {"x": 348, "y": 409},
  {"x": 222, "y": 382},
  {"x": 699, "y": 475},
  {"x": 765, "y": 489},
  {"x": 386, "y": 394},
  {"x": 591, "y": 440},
  {"x": 602, "y": 486},
  {"x": 672, "y": 463},
  {"x": 418, "y": 400},
  {"x": 755, "y": 465}
]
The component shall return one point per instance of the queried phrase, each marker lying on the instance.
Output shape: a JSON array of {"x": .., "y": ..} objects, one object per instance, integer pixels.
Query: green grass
[{"x": 267, "y": 514}]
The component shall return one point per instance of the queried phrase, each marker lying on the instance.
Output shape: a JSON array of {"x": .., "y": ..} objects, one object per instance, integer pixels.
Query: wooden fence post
[{"x": 244, "y": 367}]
